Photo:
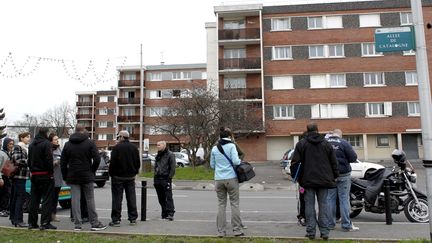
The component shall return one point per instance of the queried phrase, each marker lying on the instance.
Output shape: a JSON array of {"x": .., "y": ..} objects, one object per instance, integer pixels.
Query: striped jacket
[{"x": 20, "y": 157}]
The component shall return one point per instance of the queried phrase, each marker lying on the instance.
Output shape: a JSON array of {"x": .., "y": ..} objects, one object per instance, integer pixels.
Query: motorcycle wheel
[
  {"x": 355, "y": 195},
  {"x": 417, "y": 212}
]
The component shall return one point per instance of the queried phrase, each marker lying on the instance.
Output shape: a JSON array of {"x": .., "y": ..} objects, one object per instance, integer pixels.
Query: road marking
[
  {"x": 155, "y": 195},
  {"x": 268, "y": 197}
]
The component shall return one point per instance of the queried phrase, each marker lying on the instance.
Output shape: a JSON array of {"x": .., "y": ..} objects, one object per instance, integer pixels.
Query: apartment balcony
[
  {"x": 84, "y": 116},
  {"x": 134, "y": 136},
  {"x": 248, "y": 93},
  {"x": 128, "y": 118},
  {"x": 89, "y": 129},
  {"x": 239, "y": 34},
  {"x": 128, "y": 83},
  {"x": 84, "y": 103},
  {"x": 128, "y": 101},
  {"x": 245, "y": 65}
]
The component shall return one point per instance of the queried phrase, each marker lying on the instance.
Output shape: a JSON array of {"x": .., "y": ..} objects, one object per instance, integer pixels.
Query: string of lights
[{"x": 9, "y": 69}]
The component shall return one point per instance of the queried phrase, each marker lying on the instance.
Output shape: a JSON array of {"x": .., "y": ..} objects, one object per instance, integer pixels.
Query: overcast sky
[{"x": 101, "y": 31}]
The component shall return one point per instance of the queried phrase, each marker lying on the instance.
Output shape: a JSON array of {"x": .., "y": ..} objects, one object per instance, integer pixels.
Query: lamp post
[{"x": 424, "y": 98}]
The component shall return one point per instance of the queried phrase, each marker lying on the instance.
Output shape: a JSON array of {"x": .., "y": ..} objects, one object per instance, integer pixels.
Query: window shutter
[{"x": 387, "y": 108}]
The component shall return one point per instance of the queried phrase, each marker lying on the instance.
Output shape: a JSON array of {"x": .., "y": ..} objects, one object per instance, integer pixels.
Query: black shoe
[
  {"x": 47, "y": 227},
  {"x": 310, "y": 237},
  {"x": 170, "y": 218},
  {"x": 33, "y": 226},
  {"x": 133, "y": 222},
  {"x": 4, "y": 213},
  {"x": 325, "y": 237},
  {"x": 98, "y": 227},
  {"x": 22, "y": 225},
  {"x": 114, "y": 223}
]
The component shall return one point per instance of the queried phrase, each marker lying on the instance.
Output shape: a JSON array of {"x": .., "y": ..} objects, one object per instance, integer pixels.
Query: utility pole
[
  {"x": 141, "y": 108},
  {"x": 424, "y": 98}
]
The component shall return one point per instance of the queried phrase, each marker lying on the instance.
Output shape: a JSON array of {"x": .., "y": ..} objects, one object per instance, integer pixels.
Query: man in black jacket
[
  {"x": 124, "y": 165},
  {"x": 164, "y": 171},
  {"x": 40, "y": 161},
  {"x": 79, "y": 162},
  {"x": 318, "y": 172}
]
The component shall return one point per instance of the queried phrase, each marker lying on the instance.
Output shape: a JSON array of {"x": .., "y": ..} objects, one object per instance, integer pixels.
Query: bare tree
[
  {"x": 29, "y": 123},
  {"x": 61, "y": 118}
]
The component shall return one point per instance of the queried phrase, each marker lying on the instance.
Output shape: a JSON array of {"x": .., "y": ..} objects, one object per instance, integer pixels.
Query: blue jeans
[
  {"x": 342, "y": 191},
  {"x": 311, "y": 221}
]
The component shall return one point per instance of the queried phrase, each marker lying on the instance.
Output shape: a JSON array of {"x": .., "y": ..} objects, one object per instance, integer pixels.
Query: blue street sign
[{"x": 394, "y": 39}]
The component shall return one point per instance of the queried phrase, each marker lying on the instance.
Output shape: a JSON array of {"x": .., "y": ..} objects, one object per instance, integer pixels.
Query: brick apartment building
[
  {"x": 161, "y": 84},
  {"x": 96, "y": 110},
  {"x": 317, "y": 62}
]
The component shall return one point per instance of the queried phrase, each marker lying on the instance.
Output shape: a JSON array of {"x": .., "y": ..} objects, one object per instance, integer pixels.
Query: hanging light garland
[{"x": 70, "y": 71}]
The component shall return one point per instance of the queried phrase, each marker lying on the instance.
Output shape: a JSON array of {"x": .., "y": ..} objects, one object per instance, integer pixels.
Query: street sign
[{"x": 394, "y": 39}]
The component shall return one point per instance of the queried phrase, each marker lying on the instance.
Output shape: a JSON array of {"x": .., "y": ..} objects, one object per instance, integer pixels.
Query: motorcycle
[{"x": 368, "y": 194}]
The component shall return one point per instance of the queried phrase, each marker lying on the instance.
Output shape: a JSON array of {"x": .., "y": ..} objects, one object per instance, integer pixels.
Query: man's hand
[{"x": 1, "y": 182}]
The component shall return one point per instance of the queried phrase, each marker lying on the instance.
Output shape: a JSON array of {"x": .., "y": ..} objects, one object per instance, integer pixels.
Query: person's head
[
  {"x": 79, "y": 128},
  {"x": 53, "y": 138},
  {"x": 24, "y": 137},
  {"x": 161, "y": 145},
  {"x": 224, "y": 133},
  {"x": 337, "y": 132},
  {"x": 312, "y": 127},
  {"x": 8, "y": 144},
  {"x": 123, "y": 135},
  {"x": 44, "y": 132}
]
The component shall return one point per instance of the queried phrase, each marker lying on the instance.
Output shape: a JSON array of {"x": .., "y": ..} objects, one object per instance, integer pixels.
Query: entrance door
[{"x": 410, "y": 146}]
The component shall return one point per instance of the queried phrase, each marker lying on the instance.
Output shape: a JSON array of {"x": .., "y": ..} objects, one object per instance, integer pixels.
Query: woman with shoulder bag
[{"x": 5, "y": 190}]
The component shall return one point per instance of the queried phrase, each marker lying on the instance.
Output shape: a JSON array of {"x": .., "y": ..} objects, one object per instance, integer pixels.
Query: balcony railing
[
  {"x": 134, "y": 136},
  {"x": 84, "y": 116},
  {"x": 84, "y": 103},
  {"x": 248, "y": 93},
  {"x": 128, "y": 83},
  {"x": 126, "y": 101},
  {"x": 239, "y": 34},
  {"x": 240, "y": 63},
  {"x": 128, "y": 118}
]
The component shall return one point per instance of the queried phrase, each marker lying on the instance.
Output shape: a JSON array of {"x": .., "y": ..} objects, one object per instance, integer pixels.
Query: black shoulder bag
[{"x": 244, "y": 171}]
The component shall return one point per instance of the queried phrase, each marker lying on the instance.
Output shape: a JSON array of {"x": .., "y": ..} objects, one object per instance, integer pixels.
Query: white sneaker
[{"x": 352, "y": 229}]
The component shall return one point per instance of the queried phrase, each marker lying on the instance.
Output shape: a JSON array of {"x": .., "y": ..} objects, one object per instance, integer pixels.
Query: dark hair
[
  {"x": 79, "y": 128},
  {"x": 23, "y": 135},
  {"x": 223, "y": 133},
  {"x": 43, "y": 131},
  {"x": 51, "y": 136},
  {"x": 312, "y": 127}
]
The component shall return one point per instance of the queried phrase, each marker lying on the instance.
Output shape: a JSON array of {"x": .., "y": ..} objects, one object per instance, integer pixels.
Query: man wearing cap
[{"x": 124, "y": 165}]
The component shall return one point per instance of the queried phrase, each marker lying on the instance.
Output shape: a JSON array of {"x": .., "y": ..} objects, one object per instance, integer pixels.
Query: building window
[
  {"x": 322, "y": 51},
  {"x": 370, "y": 20},
  {"x": 158, "y": 111},
  {"x": 129, "y": 76},
  {"x": 234, "y": 83},
  {"x": 176, "y": 93},
  {"x": 111, "y": 98},
  {"x": 406, "y": 18},
  {"x": 281, "y": 53},
  {"x": 186, "y": 75},
  {"x": 413, "y": 109},
  {"x": 283, "y": 112},
  {"x": 327, "y": 81},
  {"x": 379, "y": 109},
  {"x": 368, "y": 50},
  {"x": 84, "y": 111},
  {"x": 278, "y": 24},
  {"x": 128, "y": 112},
  {"x": 155, "y": 94},
  {"x": 181, "y": 75},
  {"x": 282, "y": 82},
  {"x": 411, "y": 78},
  {"x": 103, "y": 124},
  {"x": 234, "y": 53},
  {"x": 354, "y": 140},
  {"x": 373, "y": 79},
  {"x": 155, "y": 76},
  {"x": 103, "y": 98},
  {"x": 234, "y": 24},
  {"x": 329, "y": 111},
  {"x": 103, "y": 111},
  {"x": 129, "y": 128},
  {"x": 129, "y": 94},
  {"x": 325, "y": 22},
  {"x": 102, "y": 137},
  {"x": 383, "y": 141},
  {"x": 315, "y": 22}
]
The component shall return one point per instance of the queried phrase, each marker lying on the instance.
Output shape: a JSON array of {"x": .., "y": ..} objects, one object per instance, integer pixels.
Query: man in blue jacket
[{"x": 345, "y": 155}]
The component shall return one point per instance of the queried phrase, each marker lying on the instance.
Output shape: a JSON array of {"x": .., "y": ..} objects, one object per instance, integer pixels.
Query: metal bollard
[
  {"x": 143, "y": 200},
  {"x": 387, "y": 202}
]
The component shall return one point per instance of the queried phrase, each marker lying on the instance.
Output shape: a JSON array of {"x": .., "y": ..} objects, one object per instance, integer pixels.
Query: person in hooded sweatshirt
[
  {"x": 79, "y": 161},
  {"x": 40, "y": 161},
  {"x": 5, "y": 182},
  {"x": 318, "y": 173}
]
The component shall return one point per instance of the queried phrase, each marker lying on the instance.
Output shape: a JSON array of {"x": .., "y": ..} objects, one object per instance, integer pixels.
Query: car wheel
[
  {"x": 65, "y": 204},
  {"x": 180, "y": 165},
  {"x": 100, "y": 183}
]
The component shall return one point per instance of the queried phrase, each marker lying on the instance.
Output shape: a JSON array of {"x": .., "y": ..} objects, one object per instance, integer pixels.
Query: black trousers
[
  {"x": 17, "y": 200},
  {"x": 165, "y": 196},
  {"x": 117, "y": 187},
  {"x": 42, "y": 189},
  {"x": 5, "y": 193}
]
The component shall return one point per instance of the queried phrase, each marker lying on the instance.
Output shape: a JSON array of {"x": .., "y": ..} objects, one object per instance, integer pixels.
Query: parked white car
[{"x": 359, "y": 168}]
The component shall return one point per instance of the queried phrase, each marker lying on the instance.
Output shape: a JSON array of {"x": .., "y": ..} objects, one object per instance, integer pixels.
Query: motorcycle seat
[{"x": 362, "y": 182}]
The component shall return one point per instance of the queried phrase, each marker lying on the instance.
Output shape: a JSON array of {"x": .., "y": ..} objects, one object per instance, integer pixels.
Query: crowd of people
[{"x": 323, "y": 165}]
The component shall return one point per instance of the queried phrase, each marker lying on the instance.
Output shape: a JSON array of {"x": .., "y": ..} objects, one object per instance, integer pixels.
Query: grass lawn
[{"x": 188, "y": 173}]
